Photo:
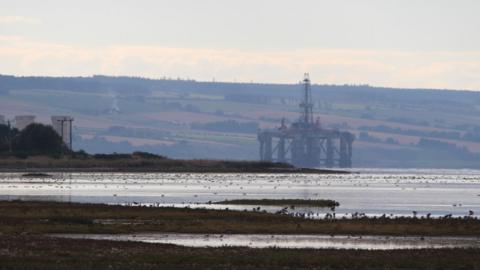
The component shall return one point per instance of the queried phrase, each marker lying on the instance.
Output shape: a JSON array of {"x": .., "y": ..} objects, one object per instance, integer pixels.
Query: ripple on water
[{"x": 377, "y": 192}]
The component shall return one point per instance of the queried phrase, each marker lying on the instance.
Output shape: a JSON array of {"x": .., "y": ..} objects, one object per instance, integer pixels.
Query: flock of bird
[{"x": 196, "y": 190}]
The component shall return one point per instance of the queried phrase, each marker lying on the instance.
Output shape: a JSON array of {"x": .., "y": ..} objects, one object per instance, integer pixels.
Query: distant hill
[{"x": 190, "y": 119}]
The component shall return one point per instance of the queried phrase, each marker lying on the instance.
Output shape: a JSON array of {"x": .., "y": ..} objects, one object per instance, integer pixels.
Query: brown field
[
  {"x": 137, "y": 141},
  {"x": 184, "y": 117}
]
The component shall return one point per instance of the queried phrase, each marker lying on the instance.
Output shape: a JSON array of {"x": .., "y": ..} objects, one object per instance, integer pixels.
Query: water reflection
[
  {"x": 372, "y": 193},
  {"x": 290, "y": 241}
]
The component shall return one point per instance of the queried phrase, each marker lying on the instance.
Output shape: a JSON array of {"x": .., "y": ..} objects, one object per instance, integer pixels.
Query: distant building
[
  {"x": 22, "y": 121},
  {"x": 63, "y": 126},
  {"x": 2, "y": 120}
]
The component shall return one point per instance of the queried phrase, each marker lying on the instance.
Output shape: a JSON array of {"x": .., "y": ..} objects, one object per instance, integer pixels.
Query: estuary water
[
  {"x": 369, "y": 192},
  {"x": 289, "y": 241}
]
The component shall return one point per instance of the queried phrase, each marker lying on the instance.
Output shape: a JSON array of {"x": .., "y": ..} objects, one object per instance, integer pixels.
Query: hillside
[{"x": 214, "y": 120}]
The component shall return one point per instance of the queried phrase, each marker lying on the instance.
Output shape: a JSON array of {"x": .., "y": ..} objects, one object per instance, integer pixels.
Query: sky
[{"x": 393, "y": 43}]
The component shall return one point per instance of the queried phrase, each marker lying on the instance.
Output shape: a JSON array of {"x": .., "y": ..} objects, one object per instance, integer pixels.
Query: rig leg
[
  {"x": 281, "y": 150},
  {"x": 262, "y": 146},
  {"x": 349, "y": 149},
  {"x": 329, "y": 159},
  {"x": 343, "y": 153},
  {"x": 268, "y": 148}
]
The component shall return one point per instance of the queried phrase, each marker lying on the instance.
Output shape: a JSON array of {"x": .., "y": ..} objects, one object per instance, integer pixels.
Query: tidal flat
[
  {"x": 424, "y": 193},
  {"x": 26, "y": 244},
  {"x": 38, "y": 252},
  {"x": 22, "y": 217},
  {"x": 393, "y": 208}
]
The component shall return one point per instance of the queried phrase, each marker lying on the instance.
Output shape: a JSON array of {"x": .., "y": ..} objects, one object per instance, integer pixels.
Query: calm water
[
  {"x": 290, "y": 241},
  {"x": 372, "y": 192}
]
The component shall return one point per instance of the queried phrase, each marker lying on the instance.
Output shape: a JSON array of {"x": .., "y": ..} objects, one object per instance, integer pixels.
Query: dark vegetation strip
[
  {"x": 49, "y": 217},
  {"x": 143, "y": 162},
  {"x": 283, "y": 202},
  {"x": 36, "y": 252},
  {"x": 37, "y": 175}
]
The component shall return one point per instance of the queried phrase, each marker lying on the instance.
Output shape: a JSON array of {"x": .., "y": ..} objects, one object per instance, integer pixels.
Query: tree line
[{"x": 35, "y": 139}]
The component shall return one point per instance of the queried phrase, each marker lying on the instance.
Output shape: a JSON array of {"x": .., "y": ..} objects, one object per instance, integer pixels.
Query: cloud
[
  {"x": 18, "y": 20},
  {"x": 453, "y": 70}
]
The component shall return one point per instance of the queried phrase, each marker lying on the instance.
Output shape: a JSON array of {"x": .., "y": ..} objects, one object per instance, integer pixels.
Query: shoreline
[
  {"x": 161, "y": 170},
  {"x": 135, "y": 164}
]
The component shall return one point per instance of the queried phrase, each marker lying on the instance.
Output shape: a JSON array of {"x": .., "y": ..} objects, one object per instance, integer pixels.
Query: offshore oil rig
[{"x": 305, "y": 143}]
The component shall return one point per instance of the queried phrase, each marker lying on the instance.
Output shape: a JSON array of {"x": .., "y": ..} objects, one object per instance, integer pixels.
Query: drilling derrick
[
  {"x": 307, "y": 105},
  {"x": 305, "y": 143}
]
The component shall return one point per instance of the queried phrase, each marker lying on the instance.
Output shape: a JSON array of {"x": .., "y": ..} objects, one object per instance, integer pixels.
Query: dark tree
[
  {"x": 38, "y": 139},
  {"x": 4, "y": 138},
  {"x": 6, "y": 133}
]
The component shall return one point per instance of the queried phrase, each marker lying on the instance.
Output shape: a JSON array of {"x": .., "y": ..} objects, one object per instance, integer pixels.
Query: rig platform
[{"x": 305, "y": 143}]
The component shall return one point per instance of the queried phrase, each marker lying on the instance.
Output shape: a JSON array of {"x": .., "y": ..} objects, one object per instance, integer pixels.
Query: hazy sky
[{"x": 406, "y": 43}]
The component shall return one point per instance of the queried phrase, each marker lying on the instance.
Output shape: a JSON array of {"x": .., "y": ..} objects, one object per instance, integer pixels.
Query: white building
[
  {"x": 22, "y": 121},
  {"x": 63, "y": 126},
  {"x": 2, "y": 120}
]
